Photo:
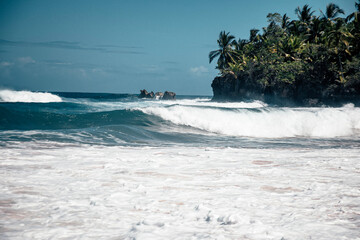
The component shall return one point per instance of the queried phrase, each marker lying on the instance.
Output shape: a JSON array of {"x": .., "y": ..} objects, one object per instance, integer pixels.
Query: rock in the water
[
  {"x": 151, "y": 95},
  {"x": 143, "y": 93},
  {"x": 159, "y": 95},
  {"x": 169, "y": 95},
  {"x": 146, "y": 94}
]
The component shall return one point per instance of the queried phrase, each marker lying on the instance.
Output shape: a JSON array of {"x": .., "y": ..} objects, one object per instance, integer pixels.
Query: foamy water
[
  {"x": 249, "y": 119},
  {"x": 94, "y": 192},
  {"x": 27, "y": 96},
  {"x": 266, "y": 123}
]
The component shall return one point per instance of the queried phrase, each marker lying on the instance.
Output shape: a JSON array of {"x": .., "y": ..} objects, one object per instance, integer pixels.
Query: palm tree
[
  {"x": 305, "y": 14},
  {"x": 315, "y": 30},
  {"x": 226, "y": 53},
  {"x": 332, "y": 11},
  {"x": 240, "y": 44},
  {"x": 295, "y": 27},
  {"x": 354, "y": 27},
  {"x": 290, "y": 46},
  {"x": 285, "y": 22},
  {"x": 354, "y": 14},
  {"x": 338, "y": 39},
  {"x": 254, "y": 37}
]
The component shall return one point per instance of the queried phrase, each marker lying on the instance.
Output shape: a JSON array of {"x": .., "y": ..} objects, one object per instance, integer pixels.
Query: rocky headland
[
  {"x": 312, "y": 60},
  {"x": 230, "y": 87}
]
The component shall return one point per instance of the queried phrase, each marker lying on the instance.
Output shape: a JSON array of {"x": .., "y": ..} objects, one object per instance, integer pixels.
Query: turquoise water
[
  {"x": 112, "y": 166},
  {"x": 124, "y": 119}
]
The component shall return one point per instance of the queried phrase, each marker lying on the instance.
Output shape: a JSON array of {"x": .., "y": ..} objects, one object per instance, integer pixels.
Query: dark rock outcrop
[
  {"x": 158, "y": 95},
  {"x": 146, "y": 94},
  {"x": 230, "y": 87},
  {"x": 169, "y": 96}
]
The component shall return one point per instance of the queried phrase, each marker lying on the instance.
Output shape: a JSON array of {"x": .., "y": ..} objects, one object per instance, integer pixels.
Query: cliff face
[
  {"x": 236, "y": 88},
  {"x": 226, "y": 88},
  {"x": 231, "y": 88}
]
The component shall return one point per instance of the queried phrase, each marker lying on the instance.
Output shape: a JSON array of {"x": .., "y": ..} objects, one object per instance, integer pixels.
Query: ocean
[{"x": 113, "y": 166}]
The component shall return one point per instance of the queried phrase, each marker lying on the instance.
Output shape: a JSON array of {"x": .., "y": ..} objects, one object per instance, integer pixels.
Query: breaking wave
[
  {"x": 28, "y": 97},
  {"x": 193, "y": 118},
  {"x": 266, "y": 122}
]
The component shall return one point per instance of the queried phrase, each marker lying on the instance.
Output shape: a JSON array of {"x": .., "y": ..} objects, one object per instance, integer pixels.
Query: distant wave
[
  {"x": 138, "y": 105},
  {"x": 31, "y": 119},
  {"x": 27, "y": 96},
  {"x": 265, "y": 122}
]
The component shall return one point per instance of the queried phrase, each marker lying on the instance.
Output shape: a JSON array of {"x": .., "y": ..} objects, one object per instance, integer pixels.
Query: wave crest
[
  {"x": 266, "y": 122},
  {"x": 27, "y": 96}
]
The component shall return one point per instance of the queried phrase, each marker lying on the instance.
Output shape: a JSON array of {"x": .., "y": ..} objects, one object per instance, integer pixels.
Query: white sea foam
[
  {"x": 266, "y": 122},
  {"x": 89, "y": 192},
  {"x": 27, "y": 96},
  {"x": 206, "y": 102},
  {"x": 199, "y": 102}
]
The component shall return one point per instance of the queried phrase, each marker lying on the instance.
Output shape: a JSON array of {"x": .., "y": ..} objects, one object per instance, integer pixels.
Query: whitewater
[{"x": 112, "y": 166}]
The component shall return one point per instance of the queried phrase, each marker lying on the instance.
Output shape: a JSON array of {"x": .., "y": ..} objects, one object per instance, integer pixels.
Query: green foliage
[
  {"x": 320, "y": 52},
  {"x": 226, "y": 52},
  {"x": 304, "y": 14},
  {"x": 332, "y": 11}
]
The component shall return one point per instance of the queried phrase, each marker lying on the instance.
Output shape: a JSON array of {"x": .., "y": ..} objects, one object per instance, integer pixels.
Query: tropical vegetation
[{"x": 309, "y": 57}]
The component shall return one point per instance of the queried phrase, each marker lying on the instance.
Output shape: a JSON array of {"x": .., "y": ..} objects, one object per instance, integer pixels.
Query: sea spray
[
  {"x": 27, "y": 96},
  {"x": 265, "y": 122}
]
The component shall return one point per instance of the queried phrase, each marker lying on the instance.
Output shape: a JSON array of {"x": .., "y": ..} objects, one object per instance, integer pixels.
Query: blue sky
[{"x": 126, "y": 45}]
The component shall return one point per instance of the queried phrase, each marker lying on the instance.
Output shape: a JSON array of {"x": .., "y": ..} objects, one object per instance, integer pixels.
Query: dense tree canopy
[{"x": 312, "y": 55}]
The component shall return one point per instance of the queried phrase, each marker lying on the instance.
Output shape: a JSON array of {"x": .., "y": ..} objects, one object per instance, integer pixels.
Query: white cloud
[{"x": 198, "y": 71}]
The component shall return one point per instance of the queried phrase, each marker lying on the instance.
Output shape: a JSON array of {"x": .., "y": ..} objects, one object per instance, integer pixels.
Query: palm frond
[{"x": 213, "y": 54}]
